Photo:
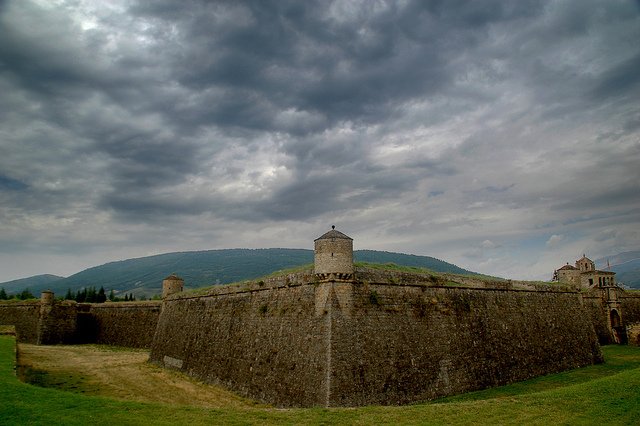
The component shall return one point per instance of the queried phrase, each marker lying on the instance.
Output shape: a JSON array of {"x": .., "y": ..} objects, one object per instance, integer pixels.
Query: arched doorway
[
  {"x": 619, "y": 331},
  {"x": 615, "y": 319}
]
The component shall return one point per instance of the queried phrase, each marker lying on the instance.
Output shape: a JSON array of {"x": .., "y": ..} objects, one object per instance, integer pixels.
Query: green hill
[
  {"x": 143, "y": 276},
  {"x": 36, "y": 282},
  {"x": 373, "y": 256}
]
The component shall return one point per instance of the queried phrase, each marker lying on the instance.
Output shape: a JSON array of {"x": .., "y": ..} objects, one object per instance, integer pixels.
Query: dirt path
[{"x": 119, "y": 373}]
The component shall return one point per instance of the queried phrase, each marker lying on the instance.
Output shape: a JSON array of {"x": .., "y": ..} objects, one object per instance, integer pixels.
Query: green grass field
[{"x": 602, "y": 394}]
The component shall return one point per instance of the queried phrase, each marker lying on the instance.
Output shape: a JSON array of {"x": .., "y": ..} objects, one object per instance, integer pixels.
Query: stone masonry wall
[
  {"x": 262, "y": 341},
  {"x": 394, "y": 344},
  {"x": 119, "y": 324},
  {"x": 630, "y": 307},
  {"x": 24, "y": 316},
  {"x": 301, "y": 343},
  {"x": 57, "y": 323},
  {"x": 596, "y": 312}
]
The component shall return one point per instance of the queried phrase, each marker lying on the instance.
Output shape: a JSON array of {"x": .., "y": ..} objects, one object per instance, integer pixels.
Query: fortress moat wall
[
  {"x": 597, "y": 313},
  {"x": 265, "y": 343},
  {"x": 399, "y": 344},
  {"x": 630, "y": 307},
  {"x": 300, "y": 342},
  {"x": 119, "y": 324},
  {"x": 51, "y": 322},
  {"x": 24, "y": 316}
]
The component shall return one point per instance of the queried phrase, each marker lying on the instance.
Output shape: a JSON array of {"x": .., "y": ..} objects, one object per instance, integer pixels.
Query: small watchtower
[
  {"x": 171, "y": 285},
  {"x": 333, "y": 256},
  {"x": 47, "y": 297}
]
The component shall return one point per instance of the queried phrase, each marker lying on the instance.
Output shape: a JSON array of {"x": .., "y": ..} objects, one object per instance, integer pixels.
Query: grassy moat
[{"x": 105, "y": 385}]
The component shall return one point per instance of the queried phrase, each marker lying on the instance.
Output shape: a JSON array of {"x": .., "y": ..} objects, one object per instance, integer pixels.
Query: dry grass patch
[{"x": 120, "y": 373}]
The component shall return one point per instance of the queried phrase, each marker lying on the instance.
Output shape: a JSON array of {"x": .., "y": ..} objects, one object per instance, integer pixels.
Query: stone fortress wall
[
  {"x": 54, "y": 322},
  {"x": 344, "y": 336},
  {"x": 24, "y": 315},
  {"x": 131, "y": 324},
  {"x": 298, "y": 341}
]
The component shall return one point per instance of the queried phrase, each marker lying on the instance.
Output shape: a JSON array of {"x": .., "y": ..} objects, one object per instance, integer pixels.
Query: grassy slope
[{"x": 607, "y": 393}]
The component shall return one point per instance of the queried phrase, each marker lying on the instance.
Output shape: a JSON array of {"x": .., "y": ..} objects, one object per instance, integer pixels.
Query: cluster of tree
[
  {"x": 23, "y": 295},
  {"x": 88, "y": 295},
  {"x": 129, "y": 298},
  {"x": 85, "y": 295}
]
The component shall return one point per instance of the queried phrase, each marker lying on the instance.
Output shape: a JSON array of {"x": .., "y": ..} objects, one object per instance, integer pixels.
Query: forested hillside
[{"x": 143, "y": 276}]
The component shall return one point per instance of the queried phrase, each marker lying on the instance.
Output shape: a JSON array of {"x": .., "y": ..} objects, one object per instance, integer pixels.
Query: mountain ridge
[
  {"x": 143, "y": 276},
  {"x": 36, "y": 280}
]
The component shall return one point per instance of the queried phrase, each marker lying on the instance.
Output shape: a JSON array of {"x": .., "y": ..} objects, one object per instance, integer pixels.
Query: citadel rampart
[
  {"x": 598, "y": 312},
  {"x": 397, "y": 343},
  {"x": 24, "y": 316},
  {"x": 119, "y": 324},
  {"x": 54, "y": 322},
  {"x": 630, "y": 307},
  {"x": 383, "y": 340},
  {"x": 261, "y": 339}
]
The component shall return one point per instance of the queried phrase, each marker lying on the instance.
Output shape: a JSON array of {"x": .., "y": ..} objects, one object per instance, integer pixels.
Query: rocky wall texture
[
  {"x": 263, "y": 341},
  {"x": 58, "y": 323},
  {"x": 630, "y": 307},
  {"x": 24, "y": 316},
  {"x": 392, "y": 342},
  {"x": 119, "y": 324},
  {"x": 597, "y": 313}
]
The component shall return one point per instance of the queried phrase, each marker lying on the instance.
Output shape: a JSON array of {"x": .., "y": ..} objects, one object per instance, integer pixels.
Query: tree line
[
  {"x": 90, "y": 295},
  {"x": 23, "y": 295},
  {"x": 85, "y": 295}
]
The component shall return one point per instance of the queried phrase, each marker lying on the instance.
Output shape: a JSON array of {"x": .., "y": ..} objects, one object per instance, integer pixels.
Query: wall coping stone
[{"x": 370, "y": 276}]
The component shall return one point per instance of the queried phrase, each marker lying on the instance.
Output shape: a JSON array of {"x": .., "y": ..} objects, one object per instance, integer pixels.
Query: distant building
[
  {"x": 584, "y": 275},
  {"x": 599, "y": 284}
]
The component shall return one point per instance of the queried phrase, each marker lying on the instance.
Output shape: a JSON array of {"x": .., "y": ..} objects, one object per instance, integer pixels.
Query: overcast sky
[{"x": 502, "y": 136}]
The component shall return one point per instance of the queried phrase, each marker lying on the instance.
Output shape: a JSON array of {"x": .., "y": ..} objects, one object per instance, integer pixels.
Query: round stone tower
[
  {"x": 333, "y": 256},
  {"x": 171, "y": 285},
  {"x": 47, "y": 297}
]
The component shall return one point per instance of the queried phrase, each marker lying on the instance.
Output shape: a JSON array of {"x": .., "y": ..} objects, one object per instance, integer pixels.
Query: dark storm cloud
[
  {"x": 620, "y": 79},
  {"x": 288, "y": 55},
  {"x": 310, "y": 197},
  {"x": 8, "y": 183}
]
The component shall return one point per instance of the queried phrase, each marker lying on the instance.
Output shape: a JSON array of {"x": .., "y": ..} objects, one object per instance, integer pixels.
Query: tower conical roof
[
  {"x": 174, "y": 277},
  {"x": 333, "y": 234}
]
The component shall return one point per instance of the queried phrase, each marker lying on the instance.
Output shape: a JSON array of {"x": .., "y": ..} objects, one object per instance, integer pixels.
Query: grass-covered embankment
[{"x": 608, "y": 393}]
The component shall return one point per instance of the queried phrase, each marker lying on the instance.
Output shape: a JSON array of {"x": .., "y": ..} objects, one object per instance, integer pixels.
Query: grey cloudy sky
[{"x": 503, "y": 136}]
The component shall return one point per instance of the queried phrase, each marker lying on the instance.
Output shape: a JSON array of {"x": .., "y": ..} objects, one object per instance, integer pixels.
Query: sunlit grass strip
[{"x": 608, "y": 393}]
